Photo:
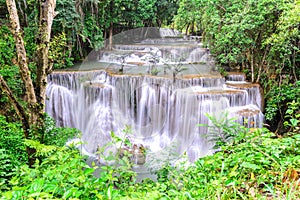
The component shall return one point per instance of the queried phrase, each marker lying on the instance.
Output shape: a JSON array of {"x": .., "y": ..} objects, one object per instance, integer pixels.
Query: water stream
[{"x": 160, "y": 87}]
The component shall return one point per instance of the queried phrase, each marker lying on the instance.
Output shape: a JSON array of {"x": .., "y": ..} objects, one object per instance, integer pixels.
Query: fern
[
  {"x": 41, "y": 149},
  {"x": 222, "y": 130}
]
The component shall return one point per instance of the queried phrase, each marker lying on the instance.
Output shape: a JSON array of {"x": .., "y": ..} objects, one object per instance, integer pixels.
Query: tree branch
[
  {"x": 21, "y": 52},
  {"x": 44, "y": 64},
  {"x": 262, "y": 64},
  {"x": 21, "y": 112}
]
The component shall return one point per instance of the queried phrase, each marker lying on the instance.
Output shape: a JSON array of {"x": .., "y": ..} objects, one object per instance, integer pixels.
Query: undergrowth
[
  {"x": 257, "y": 166},
  {"x": 252, "y": 165}
]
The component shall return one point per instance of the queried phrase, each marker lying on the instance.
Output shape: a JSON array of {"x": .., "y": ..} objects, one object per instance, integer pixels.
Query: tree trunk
[
  {"x": 111, "y": 26},
  {"x": 261, "y": 65},
  {"x": 21, "y": 53},
  {"x": 23, "y": 115},
  {"x": 44, "y": 66},
  {"x": 32, "y": 114},
  {"x": 187, "y": 29},
  {"x": 252, "y": 65},
  {"x": 110, "y": 36},
  {"x": 21, "y": 112}
]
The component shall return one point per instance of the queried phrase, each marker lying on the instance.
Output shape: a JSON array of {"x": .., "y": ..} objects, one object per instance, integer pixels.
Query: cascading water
[{"x": 161, "y": 91}]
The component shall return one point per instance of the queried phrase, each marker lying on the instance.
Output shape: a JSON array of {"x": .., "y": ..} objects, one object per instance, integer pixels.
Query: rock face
[
  {"x": 162, "y": 111},
  {"x": 136, "y": 153}
]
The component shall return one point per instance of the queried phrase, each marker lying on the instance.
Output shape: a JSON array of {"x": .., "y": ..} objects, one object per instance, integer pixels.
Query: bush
[
  {"x": 63, "y": 174},
  {"x": 12, "y": 150},
  {"x": 255, "y": 166},
  {"x": 251, "y": 165},
  {"x": 57, "y": 136},
  {"x": 279, "y": 101}
]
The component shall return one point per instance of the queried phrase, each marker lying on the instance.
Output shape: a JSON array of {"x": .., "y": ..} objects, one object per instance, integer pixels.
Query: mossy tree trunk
[{"x": 32, "y": 114}]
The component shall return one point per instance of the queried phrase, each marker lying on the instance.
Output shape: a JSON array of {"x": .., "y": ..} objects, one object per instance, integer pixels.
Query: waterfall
[
  {"x": 162, "y": 109},
  {"x": 235, "y": 76},
  {"x": 167, "y": 32}
]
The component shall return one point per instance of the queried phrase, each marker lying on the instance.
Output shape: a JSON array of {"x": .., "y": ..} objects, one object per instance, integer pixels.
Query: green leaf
[
  {"x": 294, "y": 122},
  {"x": 250, "y": 166},
  {"x": 88, "y": 171}
]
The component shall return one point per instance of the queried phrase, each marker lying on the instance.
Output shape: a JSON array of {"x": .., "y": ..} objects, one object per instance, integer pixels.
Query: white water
[{"x": 163, "y": 113}]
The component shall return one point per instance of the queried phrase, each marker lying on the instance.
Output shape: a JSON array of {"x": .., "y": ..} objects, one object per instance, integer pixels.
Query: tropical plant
[
  {"x": 165, "y": 10},
  {"x": 279, "y": 99},
  {"x": 12, "y": 150},
  {"x": 260, "y": 38},
  {"x": 116, "y": 170},
  {"x": 223, "y": 129},
  {"x": 13, "y": 145},
  {"x": 58, "y": 53},
  {"x": 292, "y": 116},
  {"x": 188, "y": 16},
  {"x": 254, "y": 165},
  {"x": 63, "y": 173}
]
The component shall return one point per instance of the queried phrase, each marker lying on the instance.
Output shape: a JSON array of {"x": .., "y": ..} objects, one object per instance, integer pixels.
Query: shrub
[{"x": 12, "y": 150}]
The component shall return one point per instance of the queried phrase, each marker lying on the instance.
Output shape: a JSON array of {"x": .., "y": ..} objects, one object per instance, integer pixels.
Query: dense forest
[{"x": 259, "y": 38}]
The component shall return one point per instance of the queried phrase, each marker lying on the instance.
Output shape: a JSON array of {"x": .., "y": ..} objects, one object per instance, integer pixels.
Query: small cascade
[
  {"x": 249, "y": 114},
  {"x": 163, "y": 108},
  {"x": 167, "y": 32},
  {"x": 235, "y": 76},
  {"x": 144, "y": 54},
  {"x": 60, "y": 105},
  {"x": 253, "y": 92}
]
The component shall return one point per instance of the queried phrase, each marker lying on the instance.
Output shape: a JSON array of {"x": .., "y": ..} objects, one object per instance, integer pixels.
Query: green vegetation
[
  {"x": 13, "y": 145},
  {"x": 13, "y": 152},
  {"x": 260, "y": 38},
  {"x": 283, "y": 103},
  {"x": 223, "y": 129},
  {"x": 253, "y": 164}
]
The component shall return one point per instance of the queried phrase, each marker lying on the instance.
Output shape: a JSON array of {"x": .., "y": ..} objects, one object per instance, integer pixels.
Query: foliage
[
  {"x": 253, "y": 166},
  {"x": 30, "y": 33},
  {"x": 11, "y": 139},
  {"x": 58, "y": 53},
  {"x": 285, "y": 41},
  {"x": 223, "y": 129},
  {"x": 7, "y": 61},
  {"x": 7, "y": 46},
  {"x": 11, "y": 74},
  {"x": 280, "y": 98},
  {"x": 58, "y": 136},
  {"x": 7, "y": 169},
  {"x": 12, "y": 146},
  {"x": 12, "y": 150},
  {"x": 67, "y": 16},
  {"x": 78, "y": 26},
  {"x": 165, "y": 10},
  {"x": 92, "y": 33},
  {"x": 292, "y": 116},
  {"x": 258, "y": 37},
  {"x": 116, "y": 169},
  {"x": 261, "y": 36},
  {"x": 81, "y": 26},
  {"x": 188, "y": 16},
  {"x": 63, "y": 173}
]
